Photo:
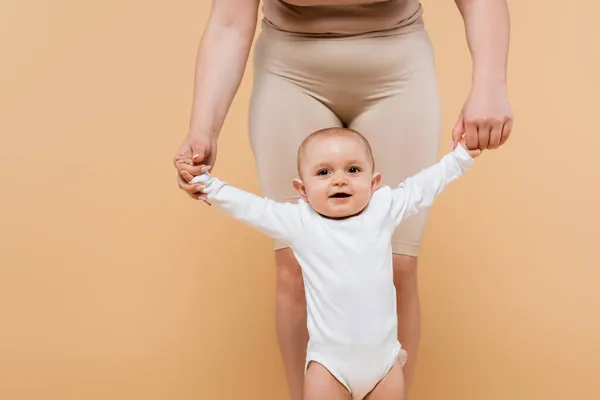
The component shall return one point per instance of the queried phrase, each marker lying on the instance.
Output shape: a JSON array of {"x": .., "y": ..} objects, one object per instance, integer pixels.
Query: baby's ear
[
  {"x": 300, "y": 188},
  {"x": 376, "y": 182}
]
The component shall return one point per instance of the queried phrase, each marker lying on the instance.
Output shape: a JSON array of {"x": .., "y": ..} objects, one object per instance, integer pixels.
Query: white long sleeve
[
  {"x": 420, "y": 191},
  {"x": 346, "y": 263},
  {"x": 278, "y": 220}
]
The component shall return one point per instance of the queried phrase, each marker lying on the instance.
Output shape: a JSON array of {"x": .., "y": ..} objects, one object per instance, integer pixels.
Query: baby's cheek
[
  {"x": 318, "y": 190},
  {"x": 364, "y": 188},
  {"x": 365, "y": 194},
  {"x": 316, "y": 196}
]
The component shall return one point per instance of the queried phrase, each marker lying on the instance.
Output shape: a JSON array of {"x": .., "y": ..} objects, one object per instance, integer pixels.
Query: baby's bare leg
[
  {"x": 319, "y": 384},
  {"x": 391, "y": 387}
]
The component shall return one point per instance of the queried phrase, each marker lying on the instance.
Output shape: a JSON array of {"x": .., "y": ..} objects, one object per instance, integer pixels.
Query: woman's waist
[
  {"x": 371, "y": 20},
  {"x": 368, "y": 60}
]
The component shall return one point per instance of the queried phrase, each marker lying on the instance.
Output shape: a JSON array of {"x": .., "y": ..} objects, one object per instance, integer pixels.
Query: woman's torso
[{"x": 331, "y": 18}]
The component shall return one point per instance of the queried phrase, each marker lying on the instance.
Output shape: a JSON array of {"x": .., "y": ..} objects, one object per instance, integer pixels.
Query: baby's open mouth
[{"x": 340, "y": 195}]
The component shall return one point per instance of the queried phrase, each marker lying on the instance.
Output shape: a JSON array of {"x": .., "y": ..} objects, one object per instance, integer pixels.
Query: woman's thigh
[
  {"x": 281, "y": 116},
  {"x": 404, "y": 130}
]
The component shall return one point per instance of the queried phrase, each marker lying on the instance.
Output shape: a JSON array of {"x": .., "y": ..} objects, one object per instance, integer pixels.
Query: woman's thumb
[
  {"x": 198, "y": 152},
  {"x": 457, "y": 131}
]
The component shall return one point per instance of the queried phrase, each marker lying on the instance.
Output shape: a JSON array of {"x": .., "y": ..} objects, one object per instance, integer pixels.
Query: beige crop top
[{"x": 334, "y": 18}]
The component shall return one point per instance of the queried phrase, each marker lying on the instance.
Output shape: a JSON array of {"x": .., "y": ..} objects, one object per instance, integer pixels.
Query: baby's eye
[
  {"x": 323, "y": 172},
  {"x": 353, "y": 170}
]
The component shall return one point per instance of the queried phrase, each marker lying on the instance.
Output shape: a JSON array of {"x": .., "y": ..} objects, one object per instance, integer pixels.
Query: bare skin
[{"x": 321, "y": 385}]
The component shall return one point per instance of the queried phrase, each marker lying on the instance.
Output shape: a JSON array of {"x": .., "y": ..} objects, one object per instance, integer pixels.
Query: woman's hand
[
  {"x": 486, "y": 119},
  {"x": 472, "y": 153},
  {"x": 196, "y": 155}
]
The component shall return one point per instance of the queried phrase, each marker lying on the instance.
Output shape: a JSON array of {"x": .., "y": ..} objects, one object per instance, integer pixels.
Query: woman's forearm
[
  {"x": 487, "y": 27},
  {"x": 220, "y": 65}
]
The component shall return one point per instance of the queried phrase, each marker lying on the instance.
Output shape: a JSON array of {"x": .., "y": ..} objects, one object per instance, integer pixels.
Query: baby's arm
[
  {"x": 420, "y": 191},
  {"x": 277, "y": 220}
]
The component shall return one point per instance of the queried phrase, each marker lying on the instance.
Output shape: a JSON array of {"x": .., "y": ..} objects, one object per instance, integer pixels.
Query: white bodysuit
[{"x": 347, "y": 267}]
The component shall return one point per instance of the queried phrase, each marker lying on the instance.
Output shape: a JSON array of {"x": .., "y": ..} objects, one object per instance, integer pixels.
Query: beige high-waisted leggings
[{"x": 383, "y": 87}]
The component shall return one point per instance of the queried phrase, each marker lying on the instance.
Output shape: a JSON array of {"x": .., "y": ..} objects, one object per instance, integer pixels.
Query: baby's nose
[{"x": 340, "y": 182}]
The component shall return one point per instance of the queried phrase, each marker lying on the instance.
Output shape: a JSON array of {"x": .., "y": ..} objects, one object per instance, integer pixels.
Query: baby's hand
[
  {"x": 473, "y": 153},
  {"x": 202, "y": 179},
  {"x": 195, "y": 183}
]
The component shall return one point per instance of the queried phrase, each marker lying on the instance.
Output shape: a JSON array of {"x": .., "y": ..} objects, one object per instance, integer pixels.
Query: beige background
[{"x": 115, "y": 285}]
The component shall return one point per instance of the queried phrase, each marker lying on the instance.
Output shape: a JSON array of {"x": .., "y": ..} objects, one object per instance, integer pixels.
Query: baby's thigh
[
  {"x": 320, "y": 384},
  {"x": 390, "y": 387}
]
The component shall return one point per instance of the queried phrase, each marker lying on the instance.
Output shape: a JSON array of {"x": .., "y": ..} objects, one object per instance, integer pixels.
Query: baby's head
[{"x": 337, "y": 172}]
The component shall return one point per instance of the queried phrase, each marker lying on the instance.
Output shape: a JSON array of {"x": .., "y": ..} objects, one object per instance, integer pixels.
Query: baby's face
[{"x": 337, "y": 177}]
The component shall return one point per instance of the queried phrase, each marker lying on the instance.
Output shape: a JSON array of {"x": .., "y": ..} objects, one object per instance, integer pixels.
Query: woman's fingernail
[{"x": 199, "y": 188}]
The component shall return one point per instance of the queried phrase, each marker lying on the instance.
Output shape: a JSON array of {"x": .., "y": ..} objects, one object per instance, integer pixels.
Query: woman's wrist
[
  {"x": 489, "y": 71},
  {"x": 203, "y": 134},
  {"x": 489, "y": 84},
  {"x": 488, "y": 79}
]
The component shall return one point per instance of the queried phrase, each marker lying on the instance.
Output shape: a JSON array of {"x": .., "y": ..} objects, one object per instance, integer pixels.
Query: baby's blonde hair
[{"x": 333, "y": 131}]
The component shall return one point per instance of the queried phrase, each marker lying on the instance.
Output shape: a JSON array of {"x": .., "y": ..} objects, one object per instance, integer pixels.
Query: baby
[{"x": 340, "y": 232}]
